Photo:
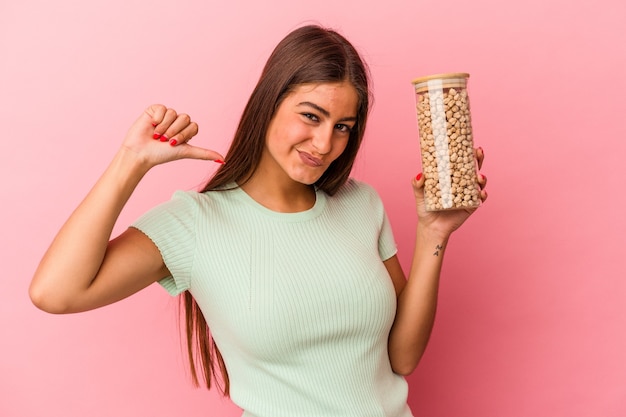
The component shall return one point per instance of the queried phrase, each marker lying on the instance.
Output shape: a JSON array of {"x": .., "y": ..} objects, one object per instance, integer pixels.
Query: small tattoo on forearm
[{"x": 438, "y": 248}]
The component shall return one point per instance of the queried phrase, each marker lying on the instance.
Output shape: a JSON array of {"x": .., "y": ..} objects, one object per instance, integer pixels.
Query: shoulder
[
  {"x": 179, "y": 210},
  {"x": 199, "y": 200},
  {"x": 186, "y": 197},
  {"x": 357, "y": 190},
  {"x": 357, "y": 197},
  {"x": 183, "y": 208},
  {"x": 180, "y": 202}
]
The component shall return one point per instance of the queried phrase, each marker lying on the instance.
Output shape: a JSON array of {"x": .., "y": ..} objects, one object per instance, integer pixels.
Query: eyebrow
[{"x": 325, "y": 112}]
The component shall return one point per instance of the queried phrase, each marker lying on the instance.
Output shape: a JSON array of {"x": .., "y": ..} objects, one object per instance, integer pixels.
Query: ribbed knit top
[{"x": 299, "y": 304}]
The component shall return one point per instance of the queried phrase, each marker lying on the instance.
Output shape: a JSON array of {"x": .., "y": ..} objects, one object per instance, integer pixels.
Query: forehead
[{"x": 339, "y": 96}]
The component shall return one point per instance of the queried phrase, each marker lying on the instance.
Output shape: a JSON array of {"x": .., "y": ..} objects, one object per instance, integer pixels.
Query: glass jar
[{"x": 446, "y": 142}]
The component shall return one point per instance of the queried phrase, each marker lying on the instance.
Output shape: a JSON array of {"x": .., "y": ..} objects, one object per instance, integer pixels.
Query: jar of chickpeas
[{"x": 446, "y": 142}]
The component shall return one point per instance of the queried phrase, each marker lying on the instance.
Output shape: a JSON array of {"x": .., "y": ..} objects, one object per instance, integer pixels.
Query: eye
[
  {"x": 311, "y": 117},
  {"x": 343, "y": 128}
]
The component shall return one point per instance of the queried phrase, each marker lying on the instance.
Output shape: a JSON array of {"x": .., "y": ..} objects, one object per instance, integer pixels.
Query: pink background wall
[{"x": 532, "y": 314}]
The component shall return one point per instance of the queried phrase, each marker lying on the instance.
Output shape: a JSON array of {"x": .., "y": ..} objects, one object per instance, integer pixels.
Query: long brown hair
[{"x": 310, "y": 54}]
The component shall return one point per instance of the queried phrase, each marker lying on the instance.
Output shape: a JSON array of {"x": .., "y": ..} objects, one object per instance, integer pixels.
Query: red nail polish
[
  {"x": 419, "y": 176},
  {"x": 173, "y": 142},
  {"x": 164, "y": 138},
  {"x": 156, "y": 136},
  {"x": 219, "y": 161},
  {"x": 154, "y": 124}
]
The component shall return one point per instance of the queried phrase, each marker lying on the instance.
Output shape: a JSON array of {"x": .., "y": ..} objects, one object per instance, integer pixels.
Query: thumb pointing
[{"x": 195, "y": 152}]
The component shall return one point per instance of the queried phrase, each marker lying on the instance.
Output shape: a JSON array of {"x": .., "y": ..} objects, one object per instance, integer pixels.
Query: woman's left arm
[{"x": 417, "y": 296}]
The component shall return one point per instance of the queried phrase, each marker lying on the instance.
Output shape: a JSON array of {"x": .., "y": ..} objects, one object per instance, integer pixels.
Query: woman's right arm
[{"x": 82, "y": 269}]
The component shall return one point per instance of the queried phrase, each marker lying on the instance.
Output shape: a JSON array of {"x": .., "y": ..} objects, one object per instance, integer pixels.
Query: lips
[{"x": 310, "y": 160}]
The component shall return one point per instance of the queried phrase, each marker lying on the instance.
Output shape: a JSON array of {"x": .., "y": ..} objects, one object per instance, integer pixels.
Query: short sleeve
[
  {"x": 172, "y": 228},
  {"x": 386, "y": 243},
  {"x": 365, "y": 195}
]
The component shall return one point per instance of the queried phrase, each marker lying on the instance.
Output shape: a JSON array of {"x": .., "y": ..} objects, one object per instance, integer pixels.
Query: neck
[{"x": 286, "y": 196}]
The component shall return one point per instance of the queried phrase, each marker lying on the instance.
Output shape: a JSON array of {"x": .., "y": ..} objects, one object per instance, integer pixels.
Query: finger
[
  {"x": 185, "y": 135},
  {"x": 482, "y": 181},
  {"x": 418, "y": 181},
  {"x": 418, "y": 185},
  {"x": 480, "y": 156},
  {"x": 166, "y": 121},
  {"x": 181, "y": 123},
  {"x": 155, "y": 112},
  {"x": 195, "y": 152},
  {"x": 483, "y": 195}
]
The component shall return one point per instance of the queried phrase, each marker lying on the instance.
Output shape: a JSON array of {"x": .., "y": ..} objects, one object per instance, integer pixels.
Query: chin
[
  {"x": 306, "y": 179},
  {"x": 307, "y": 182}
]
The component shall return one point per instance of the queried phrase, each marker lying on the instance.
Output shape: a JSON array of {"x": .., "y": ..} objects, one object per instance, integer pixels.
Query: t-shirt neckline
[{"x": 318, "y": 207}]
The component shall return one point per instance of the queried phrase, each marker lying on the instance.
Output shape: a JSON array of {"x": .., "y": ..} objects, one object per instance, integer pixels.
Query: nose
[{"x": 322, "y": 141}]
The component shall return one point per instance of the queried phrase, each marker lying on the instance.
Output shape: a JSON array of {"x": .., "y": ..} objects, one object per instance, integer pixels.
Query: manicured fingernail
[
  {"x": 173, "y": 142},
  {"x": 164, "y": 138},
  {"x": 482, "y": 151},
  {"x": 156, "y": 136},
  {"x": 419, "y": 176},
  {"x": 154, "y": 124},
  {"x": 218, "y": 161}
]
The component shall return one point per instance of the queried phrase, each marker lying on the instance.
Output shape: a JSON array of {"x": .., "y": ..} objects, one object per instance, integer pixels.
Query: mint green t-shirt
[{"x": 300, "y": 304}]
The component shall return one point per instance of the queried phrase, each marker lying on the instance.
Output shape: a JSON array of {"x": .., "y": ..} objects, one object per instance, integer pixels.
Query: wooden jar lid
[{"x": 449, "y": 80}]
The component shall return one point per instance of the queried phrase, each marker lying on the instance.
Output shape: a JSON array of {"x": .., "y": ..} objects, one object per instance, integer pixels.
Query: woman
[{"x": 290, "y": 264}]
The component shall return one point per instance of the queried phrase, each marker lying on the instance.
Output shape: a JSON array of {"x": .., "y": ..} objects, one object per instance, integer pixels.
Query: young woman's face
[{"x": 309, "y": 130}]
